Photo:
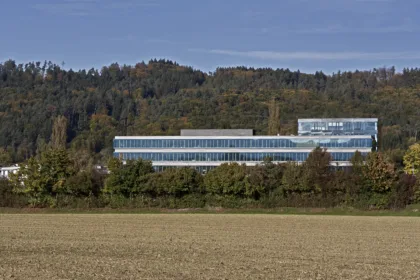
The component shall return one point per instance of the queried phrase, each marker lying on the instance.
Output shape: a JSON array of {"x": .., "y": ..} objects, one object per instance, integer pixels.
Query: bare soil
[{"x": 208, "y": 246}]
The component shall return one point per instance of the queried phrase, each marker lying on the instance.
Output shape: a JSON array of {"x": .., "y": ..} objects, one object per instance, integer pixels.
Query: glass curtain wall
[
  {"x": 332, "y": 127},
  {"x": 242, "y": 143},
  {"x": 229, "y": 157}
]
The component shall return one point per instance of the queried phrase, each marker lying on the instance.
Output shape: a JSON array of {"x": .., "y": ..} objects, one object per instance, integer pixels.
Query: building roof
[
  {"x": 217, "y": 132},
  {"x": 254, "y": 137},
  {"x": 9, "y": 168},
  {"x": 339, "y": 120}
]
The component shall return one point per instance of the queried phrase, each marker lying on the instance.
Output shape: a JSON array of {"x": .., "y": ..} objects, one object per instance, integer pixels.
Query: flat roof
[
  {"x": 217, "y": 132},
  {"x": 9, "y": 168},
  {"x": 339, "y": 120},
  {"x": 256, "y": 137}
]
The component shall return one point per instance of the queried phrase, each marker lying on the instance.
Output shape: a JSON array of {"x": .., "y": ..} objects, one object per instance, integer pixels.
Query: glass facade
[
  {"x": 200, "y": 168},
  {"x": 295, "y": 142},
  {"x": 228, "y": 156},
  {"x": 342, "y": 138},
  {"x": 338, "y": 127},
  {"x": 204, "y": 169}
]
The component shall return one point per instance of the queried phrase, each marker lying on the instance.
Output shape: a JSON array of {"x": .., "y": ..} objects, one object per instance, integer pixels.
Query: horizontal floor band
[
  {"x": 235, "y": 150},
  {"x": 217, "y": 163}
]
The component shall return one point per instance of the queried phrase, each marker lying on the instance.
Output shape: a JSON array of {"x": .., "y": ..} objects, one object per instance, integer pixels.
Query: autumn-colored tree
[
  {"x": 378, "y": 173},
  {"x": 412, "y": 159}
]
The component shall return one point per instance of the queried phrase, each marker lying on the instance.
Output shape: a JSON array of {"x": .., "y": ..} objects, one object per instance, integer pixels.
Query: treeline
[
  {"x": 53, "y": 179},
  {"x": 162, "y": 97}
]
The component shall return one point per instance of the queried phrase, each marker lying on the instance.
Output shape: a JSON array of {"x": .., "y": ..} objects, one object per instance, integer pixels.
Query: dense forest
[
  {"x": 61, "y": 123},
  {"x": 161, "y": 97}
]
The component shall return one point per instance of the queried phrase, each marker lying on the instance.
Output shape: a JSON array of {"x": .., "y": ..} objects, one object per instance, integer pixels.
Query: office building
[
  {"x": 345, "y": 126},
  {"x": 206, "y": 149}
]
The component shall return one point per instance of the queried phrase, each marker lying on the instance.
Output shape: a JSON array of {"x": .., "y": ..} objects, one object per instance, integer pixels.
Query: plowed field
[{"x": 208, "y": 246}]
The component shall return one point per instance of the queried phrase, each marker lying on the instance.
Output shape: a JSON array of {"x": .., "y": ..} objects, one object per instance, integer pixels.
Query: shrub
[
  {"x": 227, "y": 179},
  {"x": 126, "y": 179},
  {"x": 85, "y": 183},
  {"x": 8, "y": 198},
  {"x": 403, "y": 193},
  {"x": 178, "y": 181}
]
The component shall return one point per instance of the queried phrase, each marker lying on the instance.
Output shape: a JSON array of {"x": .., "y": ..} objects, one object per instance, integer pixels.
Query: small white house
[{"x": 6, "y": 171}]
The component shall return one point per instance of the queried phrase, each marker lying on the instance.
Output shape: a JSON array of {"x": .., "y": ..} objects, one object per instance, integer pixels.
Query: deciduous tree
[
  {"x": 59, "y": 133},
  {"x": 412, "y": 159},
  {"x": 378, "y": 173}
]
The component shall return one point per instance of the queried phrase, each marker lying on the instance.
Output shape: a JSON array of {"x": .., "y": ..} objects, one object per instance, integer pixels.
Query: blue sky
[{"x": 309, "y": 35}]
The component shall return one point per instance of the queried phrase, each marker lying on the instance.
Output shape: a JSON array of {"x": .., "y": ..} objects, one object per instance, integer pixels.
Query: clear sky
[{"x": 309, "y": 35}]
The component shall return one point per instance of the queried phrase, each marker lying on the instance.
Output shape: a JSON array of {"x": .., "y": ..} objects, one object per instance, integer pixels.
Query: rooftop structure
[
  {"x": 340, "y": 126},
  {"x": 217, "y": 132}
]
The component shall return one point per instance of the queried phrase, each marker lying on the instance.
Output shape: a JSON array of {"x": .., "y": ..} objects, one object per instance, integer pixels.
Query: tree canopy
[{"x": 43, "y": 103}]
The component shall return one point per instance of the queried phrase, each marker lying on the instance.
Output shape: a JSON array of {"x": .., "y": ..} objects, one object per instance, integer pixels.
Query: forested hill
[{"x": 161, "y": 97}]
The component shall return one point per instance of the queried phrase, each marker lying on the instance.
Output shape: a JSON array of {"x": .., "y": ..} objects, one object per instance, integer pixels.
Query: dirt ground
[{"x": 208, "y": 246}]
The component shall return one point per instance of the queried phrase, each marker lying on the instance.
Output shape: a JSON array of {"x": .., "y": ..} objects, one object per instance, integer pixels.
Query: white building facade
[
  {"x": 207, "y": 149},
  {"x": 5, "y": 172}
]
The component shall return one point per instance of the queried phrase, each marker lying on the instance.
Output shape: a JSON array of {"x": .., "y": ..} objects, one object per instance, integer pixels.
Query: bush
[
  {"x": 263, "y": 179},
  {"x": 292, "y": 179},
  {"x": 8, "y": 198},
  {"x": 403, "y": 193},
  {"x": 127, "y": 179},
  {"x": 85, "y": 183},
  {"x": 72, "y": 202},
  {"x": 379, "y": 174},
  {"x": 380, "y": 200},
  {"x": 175, "y": 182},
  {"x": 227, "y": 179},
  {"x": 230, "y": 201}
]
